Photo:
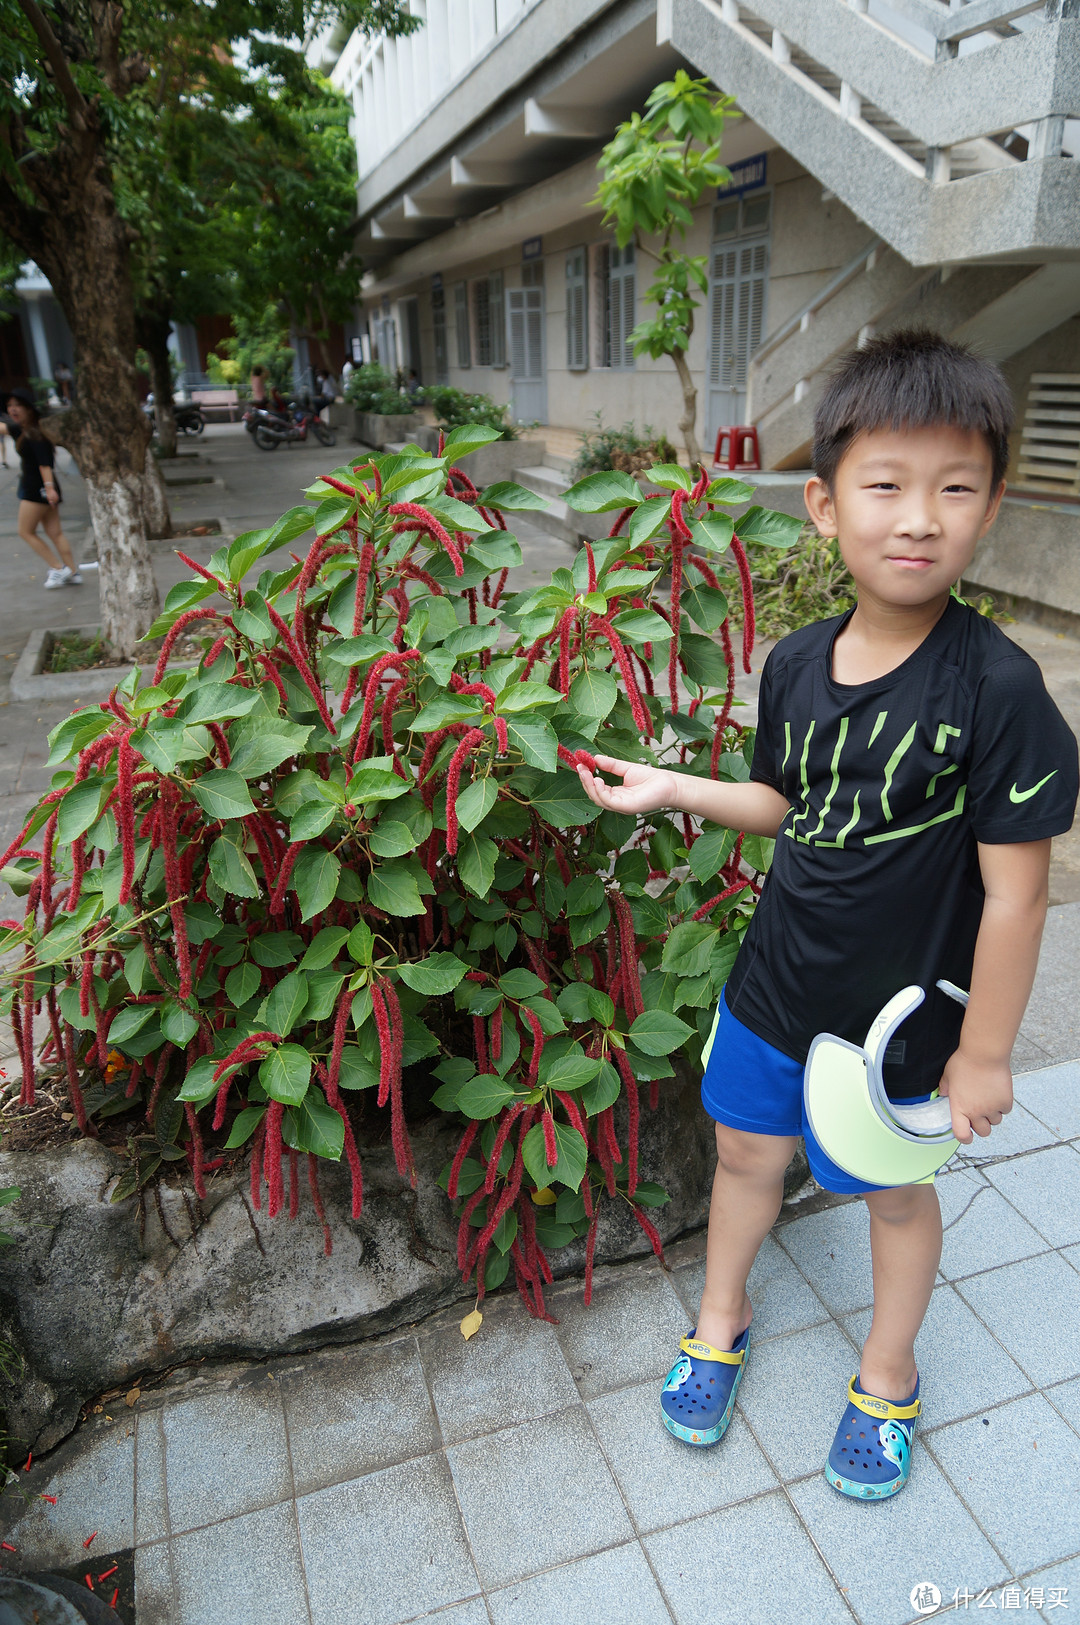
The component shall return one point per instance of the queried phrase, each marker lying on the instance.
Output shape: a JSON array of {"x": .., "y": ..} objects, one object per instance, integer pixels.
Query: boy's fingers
[{"x": 611, "y": 764}]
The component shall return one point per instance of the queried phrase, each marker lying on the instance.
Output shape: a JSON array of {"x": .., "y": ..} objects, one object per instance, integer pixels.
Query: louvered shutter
[
  {"x": 461, "y": 322},
  {"x": 515, "y": 301},
  {"x": 498, "y": 319},
  {"x": 577, "y": 327}
]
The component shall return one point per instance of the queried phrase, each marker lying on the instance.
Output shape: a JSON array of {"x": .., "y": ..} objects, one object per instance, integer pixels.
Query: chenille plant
[{"x": 351, "y": 847}]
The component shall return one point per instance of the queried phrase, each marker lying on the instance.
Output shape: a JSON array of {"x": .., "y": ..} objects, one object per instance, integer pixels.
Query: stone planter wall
[
  {"x": 92, "y": 1296},
  {"x": 373, "y": 429},
  {"x": 497, "y": 462}
]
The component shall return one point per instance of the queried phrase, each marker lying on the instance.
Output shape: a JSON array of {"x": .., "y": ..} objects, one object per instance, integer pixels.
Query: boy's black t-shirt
[{"x": 875, "y": 881}]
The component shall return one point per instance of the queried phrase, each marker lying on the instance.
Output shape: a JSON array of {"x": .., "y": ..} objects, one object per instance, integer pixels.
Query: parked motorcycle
[
  {"x": 188, "y": 415},
  {"x": 271, "y": 428}
]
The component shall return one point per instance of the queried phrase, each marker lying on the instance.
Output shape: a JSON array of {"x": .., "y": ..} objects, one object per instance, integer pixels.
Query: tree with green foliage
[
  {"x": 86, "y": 92},
  {"x": 655, "y": 171}
]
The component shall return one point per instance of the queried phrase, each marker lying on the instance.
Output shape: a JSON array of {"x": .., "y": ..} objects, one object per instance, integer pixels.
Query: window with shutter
[
  {"x": 438, "y": 334},
  {"x": 461, "y": 323},
  {"x": 739, "y": 267},
  {"x": 577, "y": 310},
  {"x": 498, "y": 319},
  {"x": 482, "y": 321},
  {"x": 621, "y": 315}
]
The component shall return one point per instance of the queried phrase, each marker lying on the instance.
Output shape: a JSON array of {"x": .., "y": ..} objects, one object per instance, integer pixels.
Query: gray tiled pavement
[{"x": 523, "y": 1478}]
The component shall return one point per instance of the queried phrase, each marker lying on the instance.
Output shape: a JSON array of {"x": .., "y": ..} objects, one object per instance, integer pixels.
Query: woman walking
[{"x": 39, "y": 493}]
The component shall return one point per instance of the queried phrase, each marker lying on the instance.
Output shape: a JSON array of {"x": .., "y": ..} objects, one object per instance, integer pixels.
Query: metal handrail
[{"x": 845, "y": 275}]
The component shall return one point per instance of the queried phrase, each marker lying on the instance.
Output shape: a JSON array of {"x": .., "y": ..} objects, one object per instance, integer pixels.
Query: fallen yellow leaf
[
  {"x": 471, "y": 1324},
  {"x": 545, "y": 1197},
  {"x": 132, "y": 1397}
]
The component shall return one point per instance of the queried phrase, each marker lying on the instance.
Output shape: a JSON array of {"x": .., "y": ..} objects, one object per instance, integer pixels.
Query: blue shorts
[{"x": 751, "y": 1086}]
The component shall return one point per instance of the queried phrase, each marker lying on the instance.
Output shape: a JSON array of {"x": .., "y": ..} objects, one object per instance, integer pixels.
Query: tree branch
[{"x": 57, "y": 61}]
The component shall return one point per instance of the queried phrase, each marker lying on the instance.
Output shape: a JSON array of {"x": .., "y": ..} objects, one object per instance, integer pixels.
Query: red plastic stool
[{"x": 739, "y": 437}]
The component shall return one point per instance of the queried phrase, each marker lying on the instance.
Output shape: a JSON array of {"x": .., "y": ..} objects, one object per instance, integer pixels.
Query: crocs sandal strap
[
  {"x": 705, "y": 1351},
  {"x": 883, "y": 1409}
]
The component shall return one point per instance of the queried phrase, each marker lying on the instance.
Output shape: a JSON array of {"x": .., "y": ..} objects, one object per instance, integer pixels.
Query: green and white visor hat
[{"x": 869, "y": 1136}]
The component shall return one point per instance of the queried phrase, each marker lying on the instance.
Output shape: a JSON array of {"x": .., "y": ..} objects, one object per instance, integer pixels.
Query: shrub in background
[
  {"x": 352, "y": 844},
  {"x": 372, "y": 389},
  {"x": 454, "y": 408},
  {"x": 621, "y": 449}
]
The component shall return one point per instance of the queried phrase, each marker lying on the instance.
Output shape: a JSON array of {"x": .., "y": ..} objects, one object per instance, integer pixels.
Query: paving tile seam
[
  {"x": 292, "y": 1497},
  {"x": 1015, "y": 1358},
  {"x": 1028, "y": 1258},
  {"x": 927, "y": 1444}
]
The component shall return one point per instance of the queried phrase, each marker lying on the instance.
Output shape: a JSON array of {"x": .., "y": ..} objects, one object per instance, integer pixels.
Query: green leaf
[
  {"x": 758, "y": 851},
  {"x": 573, "y": 1156},
  {"x": 130, "y": 1021},
  {"x": 283, "y": 1006},
  {"x": 167, "y": 742},
  {"x": 593, "y": 693},
  {"x": 377, "y": 784},
  {"x": 599, "y": 493},
  {"x": 242, "y": 983},
  {"x": 647, "y": 1194},
  {"x": 713, "y": 533},
  {"x": 277, "y": 948},
  {"x": 710, "y": 852},
  {"x": 601, "y": 1091},
  {"x": 506, "y": 1231},
  {"x": 569, "y": 1071},
  {"x": 536, "y": 740},
  {"x": 641, "y": 626},
  {"x": 318, "y": 1129},
  {"x": 221, "y": 793},
  {"x": 252, "y": 619},
  {"x": 229, "y": 866},
  {"x": 437, "y": 974},
  {"x": 475, "y": 802},
  {"x": 647, "y": 520},
  {"x": 584, "y": 895},
  {"x": 214, "y": 702},
  {"x": 484, "y": 1096},
  {"x": 392, "y": 886},
  {"x": 263, "y": 743},
  {"x": 688, "y": 948},
  {"x": 511, "y": 498},
  {"x": 311, "y": 819},
  {"x": 672, "y": 476},
  {"x": 468, "y": 437},
  {"x": 390, "y": 839},
  {"x": 705, "y": 605},
  {"x": 199, "y": 1083},
  {"x": 357, "y": 1072},
  {"x": 244, "y": 1126},
  {"x": 286, "y": 1073},
  {"x": 469, "y": 640},
  {"x": 526, "y": 697},
  {"x": 496, "y": 549},
  {"x": 324, "y": 947},
  {"x": 705, "y": 663},
  {"x": 520, "y": 984},
  {"x": 476, "y": 864},
  {"x": 314, "y": 880},
  {"x": 73, "y": 735},
  {"x": 78, "y": 810},
  {"x": 333, "y": 512},
  {"x": 768, "y": 528},
  {"x": 444, "y": 710},
  {"x": 455, "y": 515},
  {"x": 178, "y": 1024},
  {"x": 563, "y": 803},
  {"x": 658, "y": 1033},
  {"x": 356, "y": 651},
  {"x": 730, "y": 492}
]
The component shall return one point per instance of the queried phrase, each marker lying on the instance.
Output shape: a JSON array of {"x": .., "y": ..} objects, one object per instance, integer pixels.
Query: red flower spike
[
  {"x": 590, "y": 1254},
  {"x": 196, "y": 1151},
  {"x": 633, "y": 693},
  {"x": 300, "y": 662},
  {"x": 551, "y": 1144},
  {"x": 256, "y": 1165},
  {"x": 459, "y": 1158},
  {"x": 338, "y": 485},
  {"x": 739, "y": 554},
  {"x": 510, "y": 1117},
  {"x": 706, "y": 908},
  {"x": 174, "y": 632},
  {"x": 420, "y": 519},
  {"x": 591, "y": 561},
  {"x": 538, "y": 1044},
  {"x": 273, "y": 1148},
  {"x": 294, "y": 1184},
  {"x": 565, "y": 627},
  {"x": 650, "y": 1230},
  {"x": 620, "y": 521},
  {"x": 474, "y": 737},
  {"x": 626, "y": 1071},
  {"x": 317, "y": 1201},
  {"x": 502, "y": 735},
  {"x": 125, "y": 815},
  {"x": 200, "y": 569},
  {"x": 385, "y": 663},
  {"x": 277, "y": 901},
  {"x": 382, "y": 1022},
  {"x": 352, "y": 1155}
]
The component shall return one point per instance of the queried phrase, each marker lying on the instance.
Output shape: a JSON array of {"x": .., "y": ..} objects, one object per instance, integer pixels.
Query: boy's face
[{"x": 907, "y": 508}]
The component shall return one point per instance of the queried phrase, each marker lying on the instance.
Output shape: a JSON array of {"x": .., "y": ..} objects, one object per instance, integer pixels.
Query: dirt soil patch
[{"x": 74, "y": 651}]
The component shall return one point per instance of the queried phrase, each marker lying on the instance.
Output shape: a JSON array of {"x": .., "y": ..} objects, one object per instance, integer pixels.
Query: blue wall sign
[{"x": 746, "y": 176}]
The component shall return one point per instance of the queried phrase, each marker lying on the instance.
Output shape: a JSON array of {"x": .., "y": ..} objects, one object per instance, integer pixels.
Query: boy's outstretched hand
[{"x": 644, "y": 789}]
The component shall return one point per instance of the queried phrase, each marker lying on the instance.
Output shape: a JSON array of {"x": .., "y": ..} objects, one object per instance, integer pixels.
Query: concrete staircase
[{"x": 975, "y": 227}]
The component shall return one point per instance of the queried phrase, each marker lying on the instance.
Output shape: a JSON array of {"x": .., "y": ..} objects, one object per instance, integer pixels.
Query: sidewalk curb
[{"x": 29, "y": 682}]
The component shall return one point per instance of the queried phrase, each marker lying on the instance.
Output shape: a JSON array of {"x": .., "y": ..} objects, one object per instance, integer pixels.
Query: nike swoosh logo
[{"x": 1026, "y": 795}]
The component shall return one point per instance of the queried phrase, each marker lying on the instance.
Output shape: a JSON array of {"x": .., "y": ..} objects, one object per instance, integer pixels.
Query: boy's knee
[
  {"x": 902, "y": 1204},
  {"x": 761, "y": 1155}
]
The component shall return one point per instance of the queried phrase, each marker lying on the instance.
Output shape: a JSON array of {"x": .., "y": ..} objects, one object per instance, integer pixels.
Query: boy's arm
[
  {"x": 754, "y": 807},
  {"x": 978, "y": 1077}
]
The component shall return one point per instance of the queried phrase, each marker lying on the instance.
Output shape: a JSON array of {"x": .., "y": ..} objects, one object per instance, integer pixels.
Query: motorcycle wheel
[
  {"x": 265, "y": 439},
  {"x": 196, "y": 424},
  {"x": 327, "y": 436}
]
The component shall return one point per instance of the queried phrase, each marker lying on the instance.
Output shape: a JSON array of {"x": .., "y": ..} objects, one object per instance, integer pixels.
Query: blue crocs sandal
[
  {"x": 698, "y": 1397},
  {"x": 871, "y": 1454}
]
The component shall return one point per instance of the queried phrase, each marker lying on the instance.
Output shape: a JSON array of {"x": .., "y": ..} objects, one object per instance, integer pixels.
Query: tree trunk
[
  {"x": 688, "y": 421},
  {"x": 154, "y": 334},
  {"x": 80, "y": 243},
  {"x": 155, "y": 500}
]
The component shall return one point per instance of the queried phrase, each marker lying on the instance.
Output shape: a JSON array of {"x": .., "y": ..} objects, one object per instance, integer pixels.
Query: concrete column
[
  {"x": 781, "y": 50},
  {"x": 729, "y": 10},
  {"x": 37, "y": 333},
  {"x": 938, "y": 165},
  {"x": 850, "y": 101},
  {"x": 1049, "y": 137}
]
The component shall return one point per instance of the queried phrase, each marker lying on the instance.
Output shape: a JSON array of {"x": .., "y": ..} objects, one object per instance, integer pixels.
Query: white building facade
[{"x": 896, "y": 160}]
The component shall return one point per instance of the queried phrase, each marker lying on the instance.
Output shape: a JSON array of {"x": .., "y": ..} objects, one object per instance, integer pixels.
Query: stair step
[{"x": 545, "y": 481}]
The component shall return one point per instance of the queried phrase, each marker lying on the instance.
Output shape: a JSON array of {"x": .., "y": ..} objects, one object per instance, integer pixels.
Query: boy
[{"x": 914, "y": 769}]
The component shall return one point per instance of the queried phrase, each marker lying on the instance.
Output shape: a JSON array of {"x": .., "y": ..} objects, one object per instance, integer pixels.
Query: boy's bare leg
[
  {"x": 31, "y": 515},
  {"x": 905, "y": 1243},
  {"x": 747, "y": 1191}
]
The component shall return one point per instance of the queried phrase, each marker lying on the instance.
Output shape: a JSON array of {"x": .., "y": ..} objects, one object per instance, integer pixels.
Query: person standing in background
[
  {"x": 62, "y": 380},
  {"x": 39, "y": 493},
  {"x": 258, "y": 386}
]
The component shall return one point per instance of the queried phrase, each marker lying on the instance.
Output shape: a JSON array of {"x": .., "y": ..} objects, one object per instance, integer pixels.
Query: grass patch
[{"x": 72, "y": 651}]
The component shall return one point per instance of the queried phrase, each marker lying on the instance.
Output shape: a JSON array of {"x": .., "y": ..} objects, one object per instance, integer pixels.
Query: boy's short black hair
[{"x": 912, "y": 379}]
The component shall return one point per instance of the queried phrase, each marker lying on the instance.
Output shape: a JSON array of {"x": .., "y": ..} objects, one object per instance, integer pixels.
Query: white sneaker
[
  {"x": 56, "y": 578},
  {"x": 72, "y": 578}
]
